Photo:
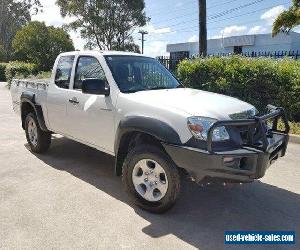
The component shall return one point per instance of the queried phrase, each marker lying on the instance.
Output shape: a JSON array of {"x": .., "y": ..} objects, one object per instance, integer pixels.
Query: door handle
[{"x": 74, "y": 100}]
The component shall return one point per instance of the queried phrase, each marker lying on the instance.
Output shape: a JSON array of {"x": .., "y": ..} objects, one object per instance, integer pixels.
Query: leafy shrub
[
  {"x": 294, "y": 127},
  {"x": 259, "y": 81},
  {"x": 2, "y": 71},
  {"x": 19, "y": 70},
  {"x": 40, "y": 75}
]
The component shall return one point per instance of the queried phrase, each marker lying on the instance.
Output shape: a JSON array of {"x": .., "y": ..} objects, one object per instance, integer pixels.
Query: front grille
[{"x": 251, "y": 136}]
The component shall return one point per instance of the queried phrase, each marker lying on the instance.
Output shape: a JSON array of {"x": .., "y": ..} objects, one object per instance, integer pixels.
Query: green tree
[
  {"x": 2, "y": 53},
  {"x": 288, "y": 19},
  {"x": 39, "y": 44},
  {"x": 13, "y": 16},
  {"x": 129, "y": 45},
  {"x": 59, "y": 42},
  {"x": 106, "y": 24}
]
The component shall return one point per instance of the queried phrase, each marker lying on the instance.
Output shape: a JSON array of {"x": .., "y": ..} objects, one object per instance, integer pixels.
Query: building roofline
[{"x": 213, "y": 39}]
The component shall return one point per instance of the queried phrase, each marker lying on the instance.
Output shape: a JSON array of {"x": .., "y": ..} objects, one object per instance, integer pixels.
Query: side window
[
  {"x": 63, "y": 71},
  {"x": 87, "y": 67}
]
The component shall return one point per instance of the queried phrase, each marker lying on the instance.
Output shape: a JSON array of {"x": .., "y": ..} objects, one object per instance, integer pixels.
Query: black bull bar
[{"x": 256, "y": 128}]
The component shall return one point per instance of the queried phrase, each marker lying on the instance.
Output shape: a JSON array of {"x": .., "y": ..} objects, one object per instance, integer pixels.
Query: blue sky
[{"x": 175, "y": 21}]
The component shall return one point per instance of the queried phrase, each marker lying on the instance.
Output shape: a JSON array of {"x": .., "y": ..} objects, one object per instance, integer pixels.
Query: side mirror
[{"x": 95, "y": 87}]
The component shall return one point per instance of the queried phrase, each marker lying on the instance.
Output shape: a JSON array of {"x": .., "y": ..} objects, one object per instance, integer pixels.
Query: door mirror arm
[{"x": 106, "y": 89}]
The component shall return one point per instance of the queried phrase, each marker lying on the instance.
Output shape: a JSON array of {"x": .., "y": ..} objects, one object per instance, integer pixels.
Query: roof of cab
[{"x": 103, "y": 53}]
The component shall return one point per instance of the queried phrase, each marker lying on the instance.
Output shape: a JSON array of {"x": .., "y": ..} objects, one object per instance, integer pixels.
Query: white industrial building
[{"x": 239, "y": 44}]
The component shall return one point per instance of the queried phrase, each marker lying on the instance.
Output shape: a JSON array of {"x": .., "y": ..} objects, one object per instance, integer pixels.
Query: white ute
[{"x": 130, "y": 106}]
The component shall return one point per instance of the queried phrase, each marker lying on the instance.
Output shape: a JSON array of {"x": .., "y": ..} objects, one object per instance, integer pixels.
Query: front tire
[
  {"x": 151, "y": 178},
  {"x": 38, "y": 140}
]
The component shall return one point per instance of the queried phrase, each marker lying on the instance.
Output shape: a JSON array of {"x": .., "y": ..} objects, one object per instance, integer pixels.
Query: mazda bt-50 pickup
[{"x": 131, "y": 107}]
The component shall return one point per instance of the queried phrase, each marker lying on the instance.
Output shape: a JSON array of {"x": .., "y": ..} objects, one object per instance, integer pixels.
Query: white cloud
[
  {"x": 159, "y": 31},
  {"x": 270, "y": 15},
  {"x": 193, "y": 38},
  {"x": 156, "y": 48},
  {"x": 77, "y": 40},
  {"x": 51, "y": 16},
  {"x": 155, "y": 41},
  {"x": 257, "y": 30},
  {"x": 218, "y": 36},
  {"x": 234, "y": 30}
]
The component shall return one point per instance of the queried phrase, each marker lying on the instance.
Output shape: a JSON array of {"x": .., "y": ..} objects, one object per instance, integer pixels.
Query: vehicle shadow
[{"x": 202, "y": 214}]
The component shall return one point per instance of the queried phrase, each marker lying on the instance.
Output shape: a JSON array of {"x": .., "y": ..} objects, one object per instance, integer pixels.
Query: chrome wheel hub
[
  {"x": 32, "y": 132},
  {"x": 150, "y": 180}
]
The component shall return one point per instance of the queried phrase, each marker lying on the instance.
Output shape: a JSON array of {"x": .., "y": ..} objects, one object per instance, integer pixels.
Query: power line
[
  {"x": 216, "y": 19},
  {"x": 217, "y": 5},
  {"x": 214, "y": 28},
  {"x": 213, "y": 15},
  {"x": 194, "y": 2},
  {"x": 224, "y": 19},
  {"x": 188, "y": 21},
  {"x": 234, "y": 9},
  {"x": 222, "y": 27},
  {"x": 158, "y": 13}
]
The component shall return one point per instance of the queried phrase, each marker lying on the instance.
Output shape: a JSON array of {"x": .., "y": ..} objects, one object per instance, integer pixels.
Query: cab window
[
  {"x": 87, "y": 68},
  {"x": 63, "y": 71}
]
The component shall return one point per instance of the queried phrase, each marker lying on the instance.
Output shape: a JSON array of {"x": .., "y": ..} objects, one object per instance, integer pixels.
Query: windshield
[{"x": 136, "y": 73}]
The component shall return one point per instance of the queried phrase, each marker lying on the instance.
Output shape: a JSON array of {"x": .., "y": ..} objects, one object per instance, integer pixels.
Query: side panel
[
  {"x": 139, "y": 105},
  {"x": 57, "y": 99},
  {"x": 56, "y": 108},
  {"x": 28, "y": 98},
  {"x": 91, "y": 118}
]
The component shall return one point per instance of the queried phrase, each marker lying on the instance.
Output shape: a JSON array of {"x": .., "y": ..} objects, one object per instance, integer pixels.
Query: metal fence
[
  {"x": 171, "y": 63},
  {"x": 276, "y": 55}
]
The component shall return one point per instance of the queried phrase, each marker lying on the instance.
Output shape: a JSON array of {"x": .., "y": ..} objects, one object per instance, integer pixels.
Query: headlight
[{"x": 199, "y": 127}]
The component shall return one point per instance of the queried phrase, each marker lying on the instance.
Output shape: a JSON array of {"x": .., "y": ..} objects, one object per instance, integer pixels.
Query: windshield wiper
[
  {"x": 157, "y": 88},
  {"x": 133, "y": 90},
  {"x": 154, "y": 88}
]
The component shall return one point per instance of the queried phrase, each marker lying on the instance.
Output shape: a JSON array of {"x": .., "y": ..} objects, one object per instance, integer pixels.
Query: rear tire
[
  {"x": 151, "y": 179},
  {"x": 38, "y": 140}
]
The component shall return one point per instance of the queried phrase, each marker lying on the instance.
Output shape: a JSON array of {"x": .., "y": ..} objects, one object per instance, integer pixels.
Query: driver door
[{"x": 90, "y": 117}]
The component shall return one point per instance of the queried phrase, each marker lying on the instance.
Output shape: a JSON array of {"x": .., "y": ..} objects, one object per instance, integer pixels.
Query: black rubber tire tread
[
  {"x": 154, "y": 153},
  {"x": 44, "y": 138}
]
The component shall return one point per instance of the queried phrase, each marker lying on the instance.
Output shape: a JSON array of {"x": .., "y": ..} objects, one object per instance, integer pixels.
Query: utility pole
[
  {"x": 202, "y": 28},
  {"x": 143, "y": 39}
]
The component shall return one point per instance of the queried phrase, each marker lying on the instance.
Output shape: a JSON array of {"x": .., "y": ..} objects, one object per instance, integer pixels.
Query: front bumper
[{"x": 241, "y": 164}]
